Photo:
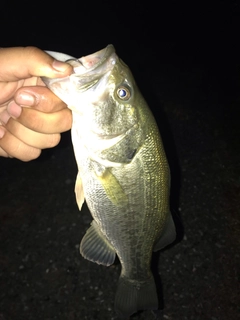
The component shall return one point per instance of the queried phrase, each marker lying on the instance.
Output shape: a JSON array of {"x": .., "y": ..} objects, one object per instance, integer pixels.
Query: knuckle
[
  {"x": 32, "y": 154},
  {"x": 31, "y": 50},
  {"x": 53, "y": 140}
]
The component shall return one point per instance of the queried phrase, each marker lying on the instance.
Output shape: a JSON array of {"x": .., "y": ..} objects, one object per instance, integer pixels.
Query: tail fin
[{"x": 132, "y": 296}]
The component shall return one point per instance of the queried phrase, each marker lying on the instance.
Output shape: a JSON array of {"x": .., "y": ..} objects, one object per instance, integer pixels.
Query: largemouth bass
[{"x": 123, "y": 173}]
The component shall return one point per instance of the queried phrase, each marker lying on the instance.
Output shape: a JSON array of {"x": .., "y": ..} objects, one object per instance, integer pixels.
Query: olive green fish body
[{"x": 123, "y": 176}]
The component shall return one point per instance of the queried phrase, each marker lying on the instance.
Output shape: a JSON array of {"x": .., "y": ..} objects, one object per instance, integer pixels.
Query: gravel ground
[{"x": 194, "y": 94}]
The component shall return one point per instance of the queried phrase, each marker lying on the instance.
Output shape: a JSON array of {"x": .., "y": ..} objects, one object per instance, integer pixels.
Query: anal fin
[{"x": 96, "y": 248}]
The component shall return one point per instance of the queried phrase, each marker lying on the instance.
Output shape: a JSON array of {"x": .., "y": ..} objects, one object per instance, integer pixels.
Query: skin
[{"x": 31, "y": 116}]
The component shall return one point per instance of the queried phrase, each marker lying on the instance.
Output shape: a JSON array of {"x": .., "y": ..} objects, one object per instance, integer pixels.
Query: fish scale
[{"x": 123, "y": 173}]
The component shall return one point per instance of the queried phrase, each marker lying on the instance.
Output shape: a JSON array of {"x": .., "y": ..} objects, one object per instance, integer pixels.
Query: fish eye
[{"x": 123, "y": 93}]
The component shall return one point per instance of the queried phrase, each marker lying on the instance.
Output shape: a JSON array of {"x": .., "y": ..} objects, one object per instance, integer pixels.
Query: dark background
[{"x": 185, "y": 58}]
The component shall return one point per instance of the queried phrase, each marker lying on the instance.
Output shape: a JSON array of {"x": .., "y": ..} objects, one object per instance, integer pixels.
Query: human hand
[{"x": 31, "y": 116}]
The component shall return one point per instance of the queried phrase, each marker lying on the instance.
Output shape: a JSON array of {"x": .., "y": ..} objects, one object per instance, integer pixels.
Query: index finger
[{"x": 18, "y": 63}]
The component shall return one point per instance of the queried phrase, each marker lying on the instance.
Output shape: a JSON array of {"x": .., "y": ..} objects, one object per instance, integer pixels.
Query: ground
[{"x": 194, "y": 94}]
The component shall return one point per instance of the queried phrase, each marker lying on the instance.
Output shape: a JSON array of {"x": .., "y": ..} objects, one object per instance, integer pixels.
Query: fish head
[{"x": 101, "y": 91}]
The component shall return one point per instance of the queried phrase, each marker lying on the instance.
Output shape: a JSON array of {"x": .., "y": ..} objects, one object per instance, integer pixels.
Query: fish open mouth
[
  {"x": 94, "y": 61},
  {"x": 87, "y": 71}
]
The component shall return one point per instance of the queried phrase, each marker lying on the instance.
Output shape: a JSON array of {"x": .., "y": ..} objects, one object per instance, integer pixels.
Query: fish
[{"x": 123, "y": 173}]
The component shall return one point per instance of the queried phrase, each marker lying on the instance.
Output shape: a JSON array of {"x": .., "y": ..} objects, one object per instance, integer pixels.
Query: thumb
[{"x": 18, "y": 63}]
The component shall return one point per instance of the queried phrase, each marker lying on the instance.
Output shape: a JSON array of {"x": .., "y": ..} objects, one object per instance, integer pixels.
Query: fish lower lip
[
  {"x": 113, "y": 136},
  {"x": 110, "y": 136}
]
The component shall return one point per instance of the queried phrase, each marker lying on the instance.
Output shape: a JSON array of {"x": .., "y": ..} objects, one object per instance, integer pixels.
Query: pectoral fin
[
  {"x": 168, "y": 234},
  {"x": 113, "y": 188},
  {"x": 110, "y": 184},
  {"x": 79, "y": 192},
  {"x": 96, "y": 248}
]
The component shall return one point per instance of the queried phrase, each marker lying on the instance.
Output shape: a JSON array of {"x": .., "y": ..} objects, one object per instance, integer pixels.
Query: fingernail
[
  {"x": 25, "y": 98},
  {"x": 60, "y": 66},
  {"x": 14, "y": 109},
  {"x": 2, "y": 132}
]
